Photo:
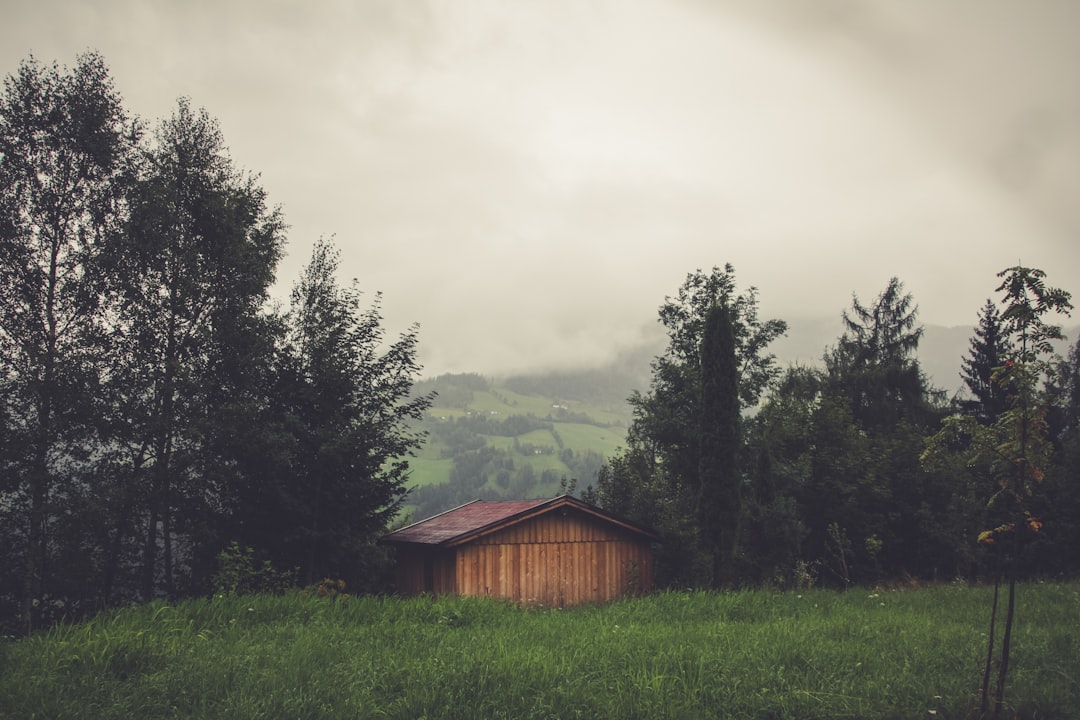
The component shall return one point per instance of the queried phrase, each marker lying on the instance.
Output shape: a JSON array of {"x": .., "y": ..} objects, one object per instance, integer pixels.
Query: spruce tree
[
  {"x": 875, "y": 365},
  {"x": 988, "y": 350}
]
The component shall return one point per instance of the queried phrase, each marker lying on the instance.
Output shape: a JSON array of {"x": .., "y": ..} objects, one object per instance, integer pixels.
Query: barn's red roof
[{"x": 479, "y": 517}]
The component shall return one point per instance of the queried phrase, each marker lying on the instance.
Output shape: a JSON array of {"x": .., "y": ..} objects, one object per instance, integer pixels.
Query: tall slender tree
[
  {"x": 1013, "y": 450},
  {"x": 1027, "y": 298},
  {"x": 197, "y": 260},
  {"x": 664, "y": 442},
  {"x": 720, "y": 478},
  {"x": 65, "y": 148}
]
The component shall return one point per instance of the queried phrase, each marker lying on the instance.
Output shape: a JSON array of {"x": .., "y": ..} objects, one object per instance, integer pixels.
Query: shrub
[{"x": 239, "y": 574}]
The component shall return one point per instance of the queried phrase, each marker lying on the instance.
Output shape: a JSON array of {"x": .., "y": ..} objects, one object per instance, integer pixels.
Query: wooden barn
[{"x": 553, "y": 552}]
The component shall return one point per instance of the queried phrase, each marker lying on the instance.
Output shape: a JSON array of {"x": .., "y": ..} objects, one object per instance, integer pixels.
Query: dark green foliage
[
  {"x": 193, "y": 267},
  {"x": 150, "y": 408},
  {"x": 988, "y": 351},
  {"x": 659, "y": 477},
  {"x": 1027, "y": 298},
  {"x": 874, "y": 364},
  {"x": 344, "y": 402},
  {"x": 239, "y": 573},
  {"x": 779, "y": 444},
  {"x": 719, "y": 476},
  {"x": 1060, "y": 493},
  {"x": 880, "y": 493},
  {"x": 65, "y": 150},
  {"x": 836, "y": 477},
  {"x": 1012, "y": 452},
  {"x": 684, "y": 318}
]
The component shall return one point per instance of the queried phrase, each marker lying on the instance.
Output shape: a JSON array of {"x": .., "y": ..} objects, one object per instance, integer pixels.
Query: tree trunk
[
  {"x": 35, "y": 548},
  {"x": 313, "y": 547},
  {"x": 112, "y": 557},
  {"x": 167, "y": 541},
  {"x": 984, "y": 701},
  {"x": 149, "y": 563},
  {"x": 162, "y": 429},
  {"x": 36, "y": 537},
  {"x": 1006, "y": 643}
]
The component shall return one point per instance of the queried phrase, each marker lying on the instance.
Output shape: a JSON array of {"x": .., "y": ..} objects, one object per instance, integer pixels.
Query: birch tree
[{"x": 65, "y": 147}]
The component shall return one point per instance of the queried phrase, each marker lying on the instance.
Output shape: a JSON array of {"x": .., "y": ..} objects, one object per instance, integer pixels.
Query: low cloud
[{"x": 529, "y": 182}]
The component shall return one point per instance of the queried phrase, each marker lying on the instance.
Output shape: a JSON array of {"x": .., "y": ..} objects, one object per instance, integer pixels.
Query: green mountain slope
[{"x": 516, "y": 438}]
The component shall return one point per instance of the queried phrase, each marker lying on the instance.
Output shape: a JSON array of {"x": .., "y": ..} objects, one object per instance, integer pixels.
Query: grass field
[{"x": 750, "y": 654}]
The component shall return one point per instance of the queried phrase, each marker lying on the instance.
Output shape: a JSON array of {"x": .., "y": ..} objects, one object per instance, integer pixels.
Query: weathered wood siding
[
  {"x": 556, "y": 559},
  {"x": 422, "y": 570}
]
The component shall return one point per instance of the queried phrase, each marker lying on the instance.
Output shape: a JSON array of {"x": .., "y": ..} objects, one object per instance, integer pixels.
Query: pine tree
[
  {"x": 874, "y": 364},
  {"x": 987, "y": 353}
]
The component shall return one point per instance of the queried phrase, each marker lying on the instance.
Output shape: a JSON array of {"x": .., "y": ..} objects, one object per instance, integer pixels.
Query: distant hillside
[{"x": 517, "y": 438}]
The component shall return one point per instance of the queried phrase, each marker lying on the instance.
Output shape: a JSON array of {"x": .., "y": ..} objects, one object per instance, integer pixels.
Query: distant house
[{"x": 553, "y": 552}]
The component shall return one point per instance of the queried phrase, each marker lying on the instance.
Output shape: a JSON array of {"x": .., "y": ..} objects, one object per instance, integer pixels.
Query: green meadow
[
  {"x": 597, "y": 426},
  {"x": 747, "y": 654}
]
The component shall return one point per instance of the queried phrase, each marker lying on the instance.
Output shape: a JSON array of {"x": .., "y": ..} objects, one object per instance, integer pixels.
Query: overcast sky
[{"x": 529, "y": 180}]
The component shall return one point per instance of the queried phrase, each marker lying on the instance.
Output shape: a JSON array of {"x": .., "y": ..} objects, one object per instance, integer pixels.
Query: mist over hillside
[
  {"x": 941, "y": 350},
  {"x": 940, "y": 354}
]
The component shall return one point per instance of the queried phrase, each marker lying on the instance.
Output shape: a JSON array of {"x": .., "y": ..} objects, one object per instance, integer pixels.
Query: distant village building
[{"x": 553, "y": 552}]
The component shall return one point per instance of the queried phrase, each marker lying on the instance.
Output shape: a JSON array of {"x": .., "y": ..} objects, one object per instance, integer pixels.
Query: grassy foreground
[{"x": 750, "y": 654}]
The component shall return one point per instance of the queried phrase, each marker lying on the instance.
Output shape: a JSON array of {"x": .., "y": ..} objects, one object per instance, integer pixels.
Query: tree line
[
  {"x": 858, "y": 471},
  {"x": 153, "y": 408}
]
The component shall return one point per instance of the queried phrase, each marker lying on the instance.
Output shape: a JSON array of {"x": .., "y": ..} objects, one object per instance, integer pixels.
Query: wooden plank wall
[
  {"x": 556, "y": 559},
  {"x": 412, "y": 574}
]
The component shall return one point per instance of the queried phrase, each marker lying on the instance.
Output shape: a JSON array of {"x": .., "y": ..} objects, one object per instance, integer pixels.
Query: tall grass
[{"x": 754, "y": 654}]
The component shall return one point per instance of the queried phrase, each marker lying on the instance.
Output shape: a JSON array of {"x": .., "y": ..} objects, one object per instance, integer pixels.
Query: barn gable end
[{"x": 549, "y": 552}]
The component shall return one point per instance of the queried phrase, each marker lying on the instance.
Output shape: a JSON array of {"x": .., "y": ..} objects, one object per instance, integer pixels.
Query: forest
[
  {"x": 165, "y": 431},
  {"x": 155, "y": 410}
]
